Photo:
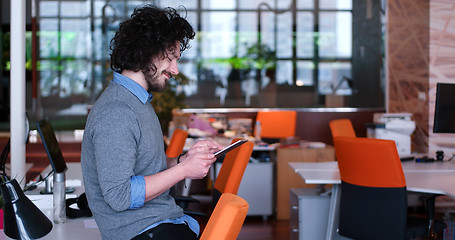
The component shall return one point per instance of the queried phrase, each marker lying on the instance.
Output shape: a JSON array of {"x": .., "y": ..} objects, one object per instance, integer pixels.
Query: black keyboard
[{"x": 407, "y": 158}]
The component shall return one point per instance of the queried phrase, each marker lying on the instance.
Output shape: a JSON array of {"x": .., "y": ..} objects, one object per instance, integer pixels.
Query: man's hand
[
  {"x": 199, "y": 158},
  {"x": 195, "y": 164}
]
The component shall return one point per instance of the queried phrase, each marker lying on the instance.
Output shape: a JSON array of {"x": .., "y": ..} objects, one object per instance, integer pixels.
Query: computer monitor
[
  {"x": 444, "y": 112},
  {"x": 50, "y": 143}
]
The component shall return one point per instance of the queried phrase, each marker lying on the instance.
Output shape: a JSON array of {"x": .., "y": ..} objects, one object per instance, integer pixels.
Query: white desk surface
[
  {"x": 434, "y": 177},
  {"x": 407, "y": 166},
  {"x": 72, "y": 229}
]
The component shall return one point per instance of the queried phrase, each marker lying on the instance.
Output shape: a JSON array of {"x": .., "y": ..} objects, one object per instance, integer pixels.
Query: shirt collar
[{"x": 133, "y": 87}]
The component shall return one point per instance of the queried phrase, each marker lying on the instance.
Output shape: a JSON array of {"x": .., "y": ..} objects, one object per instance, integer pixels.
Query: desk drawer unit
[
  {"x": 257, "y": 188},
  {"x": 309, "y": 214}
]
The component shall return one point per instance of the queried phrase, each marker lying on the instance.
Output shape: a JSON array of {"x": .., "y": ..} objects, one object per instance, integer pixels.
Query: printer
[{"x": 393, "y": 126}]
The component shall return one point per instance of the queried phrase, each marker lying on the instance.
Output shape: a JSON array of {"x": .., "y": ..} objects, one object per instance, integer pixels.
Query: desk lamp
[{"x": 21, "y": 218}]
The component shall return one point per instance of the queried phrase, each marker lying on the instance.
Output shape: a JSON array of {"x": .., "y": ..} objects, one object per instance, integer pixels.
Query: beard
[{"x": 153, "y": 82}]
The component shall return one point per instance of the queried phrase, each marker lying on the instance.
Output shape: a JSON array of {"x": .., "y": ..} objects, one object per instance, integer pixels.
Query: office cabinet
[
  {"x": 309, "y": 213},
  {"x": 257, "y": 188},
  {"x": 287, "y": 178}
]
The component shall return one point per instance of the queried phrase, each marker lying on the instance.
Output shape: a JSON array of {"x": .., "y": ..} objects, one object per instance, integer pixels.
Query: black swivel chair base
[{"x": 414, "y": 229}]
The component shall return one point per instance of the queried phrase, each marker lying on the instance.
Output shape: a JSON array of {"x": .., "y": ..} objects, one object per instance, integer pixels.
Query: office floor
[
  {"x": 270, "y": 229},
  {"x": 254, "y": 227}
]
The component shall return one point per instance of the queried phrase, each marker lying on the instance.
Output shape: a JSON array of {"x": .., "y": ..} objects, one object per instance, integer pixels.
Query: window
[{"x": 256, "y": 53}]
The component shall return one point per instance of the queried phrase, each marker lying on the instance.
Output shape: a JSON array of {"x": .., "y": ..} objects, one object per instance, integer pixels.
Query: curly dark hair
[{"x": 149, "y": 33}]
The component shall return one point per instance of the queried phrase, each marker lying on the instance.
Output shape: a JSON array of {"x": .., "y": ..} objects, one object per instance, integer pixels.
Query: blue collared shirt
[
  {"x": 185, "y": 219},
  {"x": 138, "y": 182},
  {"x": 133, "y": 87}
]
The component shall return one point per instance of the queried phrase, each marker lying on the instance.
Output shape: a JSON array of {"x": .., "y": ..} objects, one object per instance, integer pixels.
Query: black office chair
[{"x": 373, "y": 202}]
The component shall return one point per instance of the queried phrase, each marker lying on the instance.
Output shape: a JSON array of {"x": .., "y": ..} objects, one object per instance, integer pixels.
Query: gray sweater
[{"x": 123, "y": 138}]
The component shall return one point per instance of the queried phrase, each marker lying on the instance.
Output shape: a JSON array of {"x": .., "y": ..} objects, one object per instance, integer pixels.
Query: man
[{"x": 127, "y": 176}]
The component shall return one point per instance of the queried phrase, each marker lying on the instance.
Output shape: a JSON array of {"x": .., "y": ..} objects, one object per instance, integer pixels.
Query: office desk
[
  {"x": 286, "y": 179},
  {"x": 258, "y": 176},
  {"x": 72, "y": 229},
  {"x": 435, "y": 177}
]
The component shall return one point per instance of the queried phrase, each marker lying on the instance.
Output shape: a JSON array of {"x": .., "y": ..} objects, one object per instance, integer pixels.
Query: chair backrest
[
  {"x": 342, "y": 127},
  {"x": 177, "y": 143},
  {"x": 373, "y": 202},
  {"x": 232, "y": 170},
  {"x": 227, "y": 218},
  {"x": 277, "y": 124}
]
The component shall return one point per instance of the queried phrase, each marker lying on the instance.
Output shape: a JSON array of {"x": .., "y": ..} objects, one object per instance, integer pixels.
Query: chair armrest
[
  {"x": 194, "y": 213},
  {"x": 184, "y": 201}
]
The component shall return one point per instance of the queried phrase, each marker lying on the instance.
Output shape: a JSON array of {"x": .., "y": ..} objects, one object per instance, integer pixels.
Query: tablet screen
[{"x": 230, "y": 147}]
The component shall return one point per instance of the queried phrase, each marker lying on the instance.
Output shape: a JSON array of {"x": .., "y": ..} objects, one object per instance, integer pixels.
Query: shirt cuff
[{"x": 137, "y": 192}]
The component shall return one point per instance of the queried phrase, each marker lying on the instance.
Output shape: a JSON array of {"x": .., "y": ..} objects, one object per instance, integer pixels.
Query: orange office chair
[
  {"x": 229, "y": 177},
  {"x": 232, "y": 170},
  {"x": 277, "y": 124},
  {"x": 342, "y": 127},
  {"x": 373, "y": 202},
  {"x": 175, "y": 147},
  {"x": 227, "y": 218}
]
